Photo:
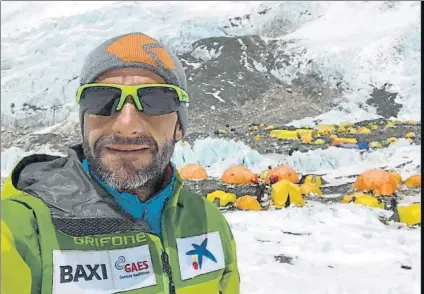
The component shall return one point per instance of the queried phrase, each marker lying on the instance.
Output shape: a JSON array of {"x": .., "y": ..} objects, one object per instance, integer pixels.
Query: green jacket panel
[{"x": 197, "y": 249}]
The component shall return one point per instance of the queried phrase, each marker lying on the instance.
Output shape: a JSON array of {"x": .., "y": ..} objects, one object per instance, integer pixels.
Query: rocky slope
[{"x": 233, "y": 81}]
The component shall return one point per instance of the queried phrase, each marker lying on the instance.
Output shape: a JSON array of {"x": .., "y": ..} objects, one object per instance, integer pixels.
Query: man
[{"x": 114, "y": 216}]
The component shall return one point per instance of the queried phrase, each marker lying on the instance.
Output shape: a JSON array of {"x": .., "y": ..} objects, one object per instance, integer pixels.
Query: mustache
[{"x": 140, "y": 140}]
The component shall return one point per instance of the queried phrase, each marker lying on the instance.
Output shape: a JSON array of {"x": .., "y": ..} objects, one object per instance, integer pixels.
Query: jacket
[{"x": 63, "y": 233}]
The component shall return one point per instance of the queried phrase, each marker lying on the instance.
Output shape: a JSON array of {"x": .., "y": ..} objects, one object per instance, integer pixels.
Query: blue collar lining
[{"x": 150, "y": 211}]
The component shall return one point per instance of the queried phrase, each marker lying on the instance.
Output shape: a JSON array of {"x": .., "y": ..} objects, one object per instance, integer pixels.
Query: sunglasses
[{"x": 152, "y": 99}]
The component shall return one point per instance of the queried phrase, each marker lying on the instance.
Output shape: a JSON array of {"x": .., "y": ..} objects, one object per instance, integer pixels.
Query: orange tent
[
  {"x": 414, "y": 181},
  {"x": 377, "y": 180},
  {"x": 397, "y": 177},
  {"x": 193, "y": 172},
  {"x": 283, "y": 173},
  {"x": 239, "y": 174}
]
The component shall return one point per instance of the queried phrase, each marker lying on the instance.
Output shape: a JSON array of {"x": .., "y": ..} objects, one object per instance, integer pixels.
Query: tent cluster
[
  {"x": 381, "y": 183},
  {"x": 285, "y": 187},
  {"x": 384, "y": 183},
  {"x": 339, "y": 135},
  {"x": 284, "y": 184}
]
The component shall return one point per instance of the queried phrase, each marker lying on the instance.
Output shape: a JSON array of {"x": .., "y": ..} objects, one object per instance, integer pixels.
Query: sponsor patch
[
  {"x": 199, "y": 255},
  {"x": 102, "y": 272}
]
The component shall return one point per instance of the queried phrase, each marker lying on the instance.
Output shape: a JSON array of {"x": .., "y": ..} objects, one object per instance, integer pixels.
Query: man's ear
[{"x": 178, "y": 134}]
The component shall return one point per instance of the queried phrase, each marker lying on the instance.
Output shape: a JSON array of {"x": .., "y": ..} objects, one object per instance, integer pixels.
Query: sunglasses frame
[{"x": 127, "y": 90}]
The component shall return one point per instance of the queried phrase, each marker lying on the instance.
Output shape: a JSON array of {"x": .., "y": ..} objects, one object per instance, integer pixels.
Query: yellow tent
[
  {"x": 224, "y": 198},
  {"x": 284, "y": 193}
]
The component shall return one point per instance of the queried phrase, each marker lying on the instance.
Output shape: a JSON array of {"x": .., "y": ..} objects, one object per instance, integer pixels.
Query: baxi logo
[
  {"x": 200, "y": 251},
  {"x": 83, "y": 272},
  {"x": 131, "y": 267}
]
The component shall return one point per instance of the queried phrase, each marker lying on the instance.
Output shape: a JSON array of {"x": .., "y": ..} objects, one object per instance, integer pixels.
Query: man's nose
[{"x": 128, "y": 122}]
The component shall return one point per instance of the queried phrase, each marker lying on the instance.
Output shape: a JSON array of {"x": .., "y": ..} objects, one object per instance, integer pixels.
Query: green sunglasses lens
[
  {"x": 159, "y": 100},
  {"x": 100, "y": 100}
]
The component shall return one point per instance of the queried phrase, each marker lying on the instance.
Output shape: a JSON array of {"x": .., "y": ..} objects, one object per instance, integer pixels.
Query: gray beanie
[{"x": 140, "y": 51}]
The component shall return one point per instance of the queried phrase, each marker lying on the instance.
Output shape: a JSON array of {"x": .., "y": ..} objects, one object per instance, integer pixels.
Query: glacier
[
  {"x": 42, "y": 52},
  {"x": 337, "y": 165}
]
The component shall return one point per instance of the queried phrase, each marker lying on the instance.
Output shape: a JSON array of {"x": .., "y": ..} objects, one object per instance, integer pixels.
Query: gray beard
[{"x": 126, "y": 177}]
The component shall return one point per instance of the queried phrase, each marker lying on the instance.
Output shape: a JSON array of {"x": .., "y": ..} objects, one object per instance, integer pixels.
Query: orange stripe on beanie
[{"x": 132, "y": 48}]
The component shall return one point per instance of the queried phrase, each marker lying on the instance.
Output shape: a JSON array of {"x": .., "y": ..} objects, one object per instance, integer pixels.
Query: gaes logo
[
  {"x": 200, "y": 251},
  {"x": 131, "y": 266}
]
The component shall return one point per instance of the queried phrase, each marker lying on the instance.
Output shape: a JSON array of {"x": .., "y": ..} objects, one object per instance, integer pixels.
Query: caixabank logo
[
  {"x": 199, "y": 252},
  {"x": 199, "y": 255}
]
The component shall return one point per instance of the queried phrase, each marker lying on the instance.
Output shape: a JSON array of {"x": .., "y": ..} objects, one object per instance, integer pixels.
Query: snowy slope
[
  {"x": 366, "y": 44},
  {"x": 43, "y": 52},
  {"x": 352, "y": 44},
  {"x": 336, "y": 249}
]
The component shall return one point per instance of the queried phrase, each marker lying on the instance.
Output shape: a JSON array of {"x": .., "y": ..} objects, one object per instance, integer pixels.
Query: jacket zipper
[
  {"x": 165, "y": 256},
  {"x": 168, "y": 271}
]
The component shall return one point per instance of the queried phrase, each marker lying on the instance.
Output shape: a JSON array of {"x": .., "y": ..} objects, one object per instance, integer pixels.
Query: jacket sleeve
[
  {"x": 20, "y": 257},
  {"x": 230, "y": 281}
]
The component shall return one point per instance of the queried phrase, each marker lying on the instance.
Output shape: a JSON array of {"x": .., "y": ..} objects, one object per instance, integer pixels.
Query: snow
[
  {"x": 216, "y": 155},
  {"x": 337, "y": 162},
  {"x": 350, "y": 111},
  {"x": 337, "y": 165},
  {"x": 204, "y": 54},
  {"x": 47, "y": 130},
  {"x": 338, "y": 245},
  {"x": 216, "y": 95},
  {"x": 195, "y": 65},
  {"x": 259, "y": 66},
  {"x": 334, "y": 248},
  {"x": 365, "y": 255},
  {"x": 40, "y": 46},
  {"x": 243, "y": 57},
  {"x": 383, "y": 47},
  {"x": 11, "y": 156}
]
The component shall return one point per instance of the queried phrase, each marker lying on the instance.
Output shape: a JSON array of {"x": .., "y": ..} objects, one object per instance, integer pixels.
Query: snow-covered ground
[{"x": 342, "y": 249}]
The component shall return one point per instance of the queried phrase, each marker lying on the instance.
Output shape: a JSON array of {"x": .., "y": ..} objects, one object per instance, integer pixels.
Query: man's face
[{"x": 129, "y": 148}]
